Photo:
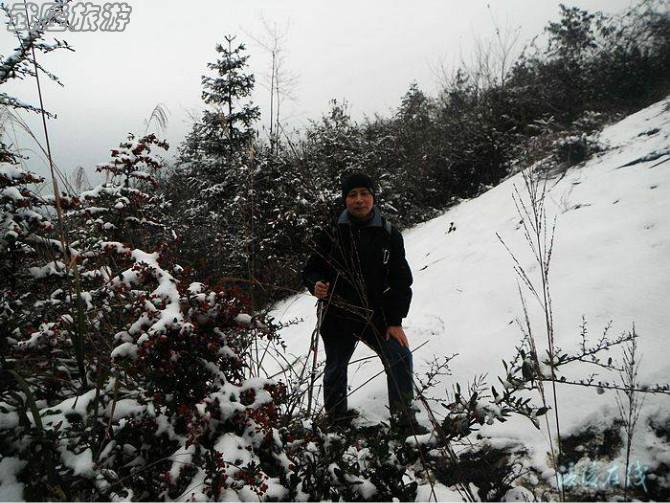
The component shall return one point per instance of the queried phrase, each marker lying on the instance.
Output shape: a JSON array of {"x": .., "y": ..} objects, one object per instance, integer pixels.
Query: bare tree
[
  {"x": 492, "y": 58},
  {"x": 280, "y": 82},
  {"x": 158, "y": 117},
  {"x": 489, "y": 63},
  {"x": 81, "y": 181}
]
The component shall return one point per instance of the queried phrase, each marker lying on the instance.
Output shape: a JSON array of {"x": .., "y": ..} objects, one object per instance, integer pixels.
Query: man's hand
[
  {"x": 321, "y": 289},
  {"x": 398, "y": 334}
]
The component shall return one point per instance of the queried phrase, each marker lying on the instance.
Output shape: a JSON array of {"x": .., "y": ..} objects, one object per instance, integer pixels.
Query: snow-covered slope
[{"x": 611, "y": 261}]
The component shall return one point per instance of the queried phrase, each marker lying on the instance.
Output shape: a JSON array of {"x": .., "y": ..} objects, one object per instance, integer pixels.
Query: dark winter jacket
[{"x": 366, "y": 267}]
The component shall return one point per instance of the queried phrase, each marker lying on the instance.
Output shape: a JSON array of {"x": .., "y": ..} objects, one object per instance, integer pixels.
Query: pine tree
[
  {"x": 211, "y": 187},
  {"x": 227, "y": 127}
]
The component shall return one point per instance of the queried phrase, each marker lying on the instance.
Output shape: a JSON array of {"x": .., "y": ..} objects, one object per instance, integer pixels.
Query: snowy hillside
[{"x": 611, "y": 261}]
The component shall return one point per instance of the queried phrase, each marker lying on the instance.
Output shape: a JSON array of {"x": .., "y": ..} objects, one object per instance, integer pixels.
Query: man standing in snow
[{"x": 359, "y": 272}]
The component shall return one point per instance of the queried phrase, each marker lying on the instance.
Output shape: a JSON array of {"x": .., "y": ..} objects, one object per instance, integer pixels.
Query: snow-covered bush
[
  {"x": 573, "y": 149},
  {"x": 26, "y": 227},
  {"x": 366, "y": 465},
  {"x": 121, "y": 378}
]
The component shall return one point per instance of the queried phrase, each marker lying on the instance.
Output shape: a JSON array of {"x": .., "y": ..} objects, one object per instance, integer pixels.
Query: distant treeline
[{"x": 246, "y": 209}]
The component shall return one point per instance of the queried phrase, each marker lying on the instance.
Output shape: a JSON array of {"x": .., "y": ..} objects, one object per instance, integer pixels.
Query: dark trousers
[{"x": 339, "y": 339}]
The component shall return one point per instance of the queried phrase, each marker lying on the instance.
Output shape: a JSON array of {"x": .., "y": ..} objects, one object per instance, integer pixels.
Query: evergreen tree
[
  {"x": 209, "y": 188},
  {"x": 227, "y": 127}
]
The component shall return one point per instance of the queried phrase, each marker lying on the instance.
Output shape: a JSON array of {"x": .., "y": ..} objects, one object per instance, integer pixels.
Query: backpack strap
[
  {"x": 387, "y": 252},
  {"x": 387, "y": 226}
]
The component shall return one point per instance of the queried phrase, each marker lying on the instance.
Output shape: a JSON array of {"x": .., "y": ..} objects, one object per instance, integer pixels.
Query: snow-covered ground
[{"x": 611, "y": 262}]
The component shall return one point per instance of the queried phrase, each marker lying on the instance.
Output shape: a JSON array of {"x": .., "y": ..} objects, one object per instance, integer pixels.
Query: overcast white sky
[{"x": 364, "y": 51}]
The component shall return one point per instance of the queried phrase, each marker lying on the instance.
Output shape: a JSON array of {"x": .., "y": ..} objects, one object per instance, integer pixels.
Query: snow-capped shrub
[
  {"x": 125, "y": 380},
  {"x": 573, "y": 149},
  {"x": 127, "y": 208},
  {"x": 354, "y": 465}
]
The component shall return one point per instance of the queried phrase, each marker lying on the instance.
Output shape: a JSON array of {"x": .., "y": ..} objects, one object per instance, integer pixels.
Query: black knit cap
[{"x": 355, "y": 180}]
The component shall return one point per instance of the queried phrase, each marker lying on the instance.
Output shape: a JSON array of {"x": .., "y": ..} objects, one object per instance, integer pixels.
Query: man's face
[{"x": 359, "y": 202}]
